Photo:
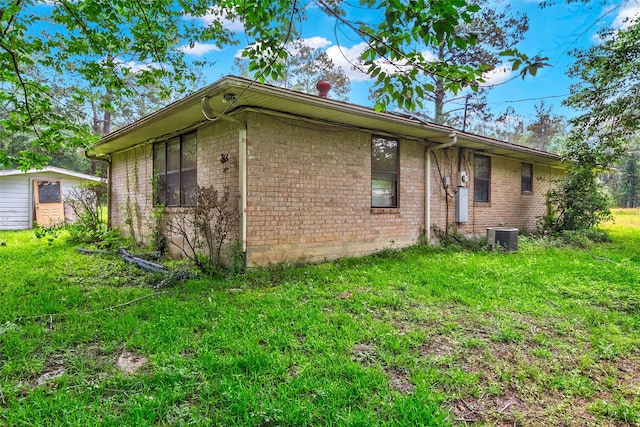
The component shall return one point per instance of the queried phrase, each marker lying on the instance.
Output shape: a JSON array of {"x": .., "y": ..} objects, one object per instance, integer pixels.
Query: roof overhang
[
  {"x": 231, "y": 95},
  {"x": 51, "y": 170}
]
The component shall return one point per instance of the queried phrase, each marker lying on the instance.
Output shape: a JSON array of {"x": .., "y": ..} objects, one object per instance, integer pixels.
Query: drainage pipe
[{"x": 427, "y": 180}]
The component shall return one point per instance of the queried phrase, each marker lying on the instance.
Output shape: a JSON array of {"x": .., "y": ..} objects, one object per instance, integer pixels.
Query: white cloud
[
  {"x": 316, "y": 42},
  {"x": 429, "y": 56},
  {"x": 135, "y": 67},
  {"x": 312, "y": 42},
  {"x": 348, "y": 58},
  {"x": 498, "y": 75},
  {"x": 219, "y": 14},
  {"x": 199, "y": 49},
  {"x": 627, "y": 16}
]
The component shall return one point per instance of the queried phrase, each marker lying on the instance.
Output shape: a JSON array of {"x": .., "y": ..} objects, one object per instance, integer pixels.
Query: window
[
  {"x": 175, "y": 168},
  {"x": 49, "y": 192},
  {"x": 481, "y": 175},
  {"x": 384, "y": 172},
  {"x": 526, "y": 185}
]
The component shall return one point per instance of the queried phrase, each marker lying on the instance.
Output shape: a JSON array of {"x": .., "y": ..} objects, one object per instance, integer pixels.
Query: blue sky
[{"x": 554, "y": 32}]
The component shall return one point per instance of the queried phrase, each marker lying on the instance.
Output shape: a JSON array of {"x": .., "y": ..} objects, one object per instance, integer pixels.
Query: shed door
[{"x": 48, "y": 200}]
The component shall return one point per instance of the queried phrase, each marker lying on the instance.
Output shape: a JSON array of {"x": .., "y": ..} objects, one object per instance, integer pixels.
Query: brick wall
[
  {"x": 131, "y": 202},
  {"x": 131, "y": 174},
  {"x": 309, "y": 190},
  {"x": 309, "y": 193},
  {"x": 508, "y": 206}
]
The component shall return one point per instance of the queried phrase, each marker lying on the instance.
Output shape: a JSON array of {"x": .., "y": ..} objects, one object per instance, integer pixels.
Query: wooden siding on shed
[
  {"x": 16, "y": 198},
  {"x": 15, "y": 202}
]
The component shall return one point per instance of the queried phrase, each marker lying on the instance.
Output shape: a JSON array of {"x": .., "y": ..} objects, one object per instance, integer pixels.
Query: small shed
[{"x": 37, "y": 196}]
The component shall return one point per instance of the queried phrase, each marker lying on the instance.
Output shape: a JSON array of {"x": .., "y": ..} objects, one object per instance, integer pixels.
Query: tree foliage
[
  {"x": 607, "y": 97},
  {"x": 544, "y": 127},
  {"x": 509, "y": 126},
  {"x": 494, "y": 30},
  {"x": 303, "y": 68},
  {"x": 106, "y": 44},
  {"x": 577, "y": 202},
  {"x": 624, "y": 182},
  {"x": 607, "y": 94},
  {"x": 90, "y": 44},
  {"x": 497, "y": 30},
  {"x": 629, "y": 189}
]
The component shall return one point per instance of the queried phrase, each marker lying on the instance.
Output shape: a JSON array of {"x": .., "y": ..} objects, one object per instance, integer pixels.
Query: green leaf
[{"x": 515, "y": 64}]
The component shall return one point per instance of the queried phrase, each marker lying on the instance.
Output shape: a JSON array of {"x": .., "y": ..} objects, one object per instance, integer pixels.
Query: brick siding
[
  {"x": 131, "y": 177},
  {"x": 131, "y": 203},
  {"x": 309, "y": 193},
  {"x": 508, "y": 206},
  {"x": 309, "y": 190}
]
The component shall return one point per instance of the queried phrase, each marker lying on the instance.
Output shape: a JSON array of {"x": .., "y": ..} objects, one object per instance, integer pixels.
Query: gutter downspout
[
  {"x": 107, "y": 159},
  {"x": 242, "y": 169},
  {"x": 427, "y": 180},
  {"x": 213, "y": 116}
]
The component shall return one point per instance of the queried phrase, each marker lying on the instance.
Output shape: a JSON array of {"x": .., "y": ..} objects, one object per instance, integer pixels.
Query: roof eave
[{"x": 245, "y": 91}]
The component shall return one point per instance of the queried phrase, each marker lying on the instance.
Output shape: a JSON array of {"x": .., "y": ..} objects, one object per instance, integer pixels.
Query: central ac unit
[{"x": 506, "y": 237}]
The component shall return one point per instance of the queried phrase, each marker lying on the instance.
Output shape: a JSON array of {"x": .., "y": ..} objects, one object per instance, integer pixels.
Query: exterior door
[{"x": 48, "y": 201}]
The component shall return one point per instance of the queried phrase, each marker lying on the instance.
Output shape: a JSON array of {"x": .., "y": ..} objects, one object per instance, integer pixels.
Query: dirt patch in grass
[
  {"x": 345, "y": 295},
  {"x": 400, "y": 381},
  {"x": 367, "y": 356},
  {"x": 628, "y": 372},
  {"x": 528, "y": 373},
  {"x": 498, "y": 409},
  {"x": 60, "y": 363},
  {"x": 518, "y": 388},
  {"x": 438, "y": 346},
  {"x": 129, "y": 363},
  {"x": 50, "y": 373}
]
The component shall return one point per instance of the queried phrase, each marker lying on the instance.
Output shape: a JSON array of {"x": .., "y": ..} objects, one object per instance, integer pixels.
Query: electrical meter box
[{"x": 463, "y": 179}]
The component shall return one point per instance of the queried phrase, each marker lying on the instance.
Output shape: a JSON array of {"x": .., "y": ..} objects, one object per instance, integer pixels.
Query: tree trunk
[{"x": 439, "y": 92}]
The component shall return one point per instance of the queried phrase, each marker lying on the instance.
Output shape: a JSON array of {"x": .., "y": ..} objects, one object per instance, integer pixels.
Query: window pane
[
  {"x": 189, "y": 151},
  {"x": 481, "y": 167},
  {"x": 384, "y": 172},
  {"x": 161, "y": 190},
  {"x": 527, "y": 177},
  {"x": 384, "y": 154},
  {"x": 481, "y": 191},
  {"x": 173, "y": 189},
  {"x": 481, "y": 176},
  {"x": 383, "y": 190},
  {"x": 173, "y": 155},
  {"x": 49, "y": 192},
  {"x": 159, "y": 157},
  {"x": 189, "y": 187},
  {"x": 175, "y": 167}
]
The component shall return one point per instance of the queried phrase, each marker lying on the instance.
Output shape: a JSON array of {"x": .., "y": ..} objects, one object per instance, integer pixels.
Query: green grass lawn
[{"x": 428, "y": 336}]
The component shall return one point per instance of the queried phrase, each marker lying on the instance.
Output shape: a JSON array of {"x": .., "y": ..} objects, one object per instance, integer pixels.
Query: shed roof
[
  {"x": 231, "y": 94},
  {"x": 51, "y": 169}
]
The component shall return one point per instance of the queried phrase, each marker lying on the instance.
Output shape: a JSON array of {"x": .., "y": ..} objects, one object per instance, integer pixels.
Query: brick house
[{"x": 318, "y": 178}]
